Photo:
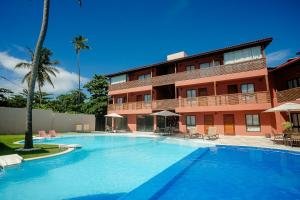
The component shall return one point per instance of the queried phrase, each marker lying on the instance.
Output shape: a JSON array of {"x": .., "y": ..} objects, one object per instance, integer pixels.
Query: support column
[{"x": 267, "y": 82}]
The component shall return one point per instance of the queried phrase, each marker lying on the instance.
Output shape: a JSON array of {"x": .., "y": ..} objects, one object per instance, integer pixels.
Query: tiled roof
[{"x": 288, "y": 63}]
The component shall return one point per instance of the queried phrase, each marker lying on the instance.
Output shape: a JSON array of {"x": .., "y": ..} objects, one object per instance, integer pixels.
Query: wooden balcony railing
[
  {"x": 288, "y": 95},
  {"x": 195, "y": 74},
  {"x": 218, "y": 100},
  {"x": 227, "y": 99},
  {"x": 165, "y": 104},
  {"x": 130, "y": 106}
]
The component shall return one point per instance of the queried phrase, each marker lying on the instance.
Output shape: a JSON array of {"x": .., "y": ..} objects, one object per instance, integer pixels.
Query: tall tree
[
  {"x": 79, "y": 43},
  {"x": 45, "y": 69},
  {"x": 98, "y": 88},
  {"x": 34, "y": 70},
  {"x": 28, "y": 144}
]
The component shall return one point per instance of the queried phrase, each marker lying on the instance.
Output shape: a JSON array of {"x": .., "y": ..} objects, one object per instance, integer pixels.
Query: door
[
  {"x": 296, "y": 121},
  {"x": 202, "y": 97},
  {"x": 208, "y": 121},
  {"x": 232, "y": 99},
  {"x": 139, "y": 101},
  {"x": 229, "y": 124}
]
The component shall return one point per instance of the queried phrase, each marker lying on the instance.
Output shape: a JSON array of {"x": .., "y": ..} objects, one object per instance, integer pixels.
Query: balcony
[
  {"x": 195, "y": 74},
  {"x": 288, "y": 95},
  {"x": 227, "y": 102}
]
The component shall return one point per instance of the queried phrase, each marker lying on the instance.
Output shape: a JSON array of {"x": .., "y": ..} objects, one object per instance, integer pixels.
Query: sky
[{"x": 125, "y": 34}]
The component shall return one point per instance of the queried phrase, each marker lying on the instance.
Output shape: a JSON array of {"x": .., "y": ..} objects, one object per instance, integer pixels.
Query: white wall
[{"x": 13, "y": 120}]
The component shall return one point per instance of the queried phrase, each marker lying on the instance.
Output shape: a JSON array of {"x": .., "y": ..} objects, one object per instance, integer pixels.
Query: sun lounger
[
  {"x": 86, "y": 128},
  {"x": 192, "y": 132},
  {"x": 52, "y": 133},
  {"x": 79, "y": 128},
  {"x": 212, "y": 133},
  {"x": 295, "y": 140},
  {"x": 43, "y": 134}
]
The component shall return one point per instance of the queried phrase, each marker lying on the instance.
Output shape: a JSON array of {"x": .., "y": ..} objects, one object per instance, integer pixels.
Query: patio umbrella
[
  {"x": 287, "y": 107},
  {"x": 112, "y": 115},
  {"x": 165, "y": 114}
]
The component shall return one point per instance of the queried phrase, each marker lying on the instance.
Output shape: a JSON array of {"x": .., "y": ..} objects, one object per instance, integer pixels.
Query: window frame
[
  {"x": 247, "y": 84},
  {"x": 190, "y": 117},
  {"x": 190, "y": 68},
  {"x": 294, "y": 83},
  {"x": 252, "y": 124},
  {"x": 150, "y": 98},
  {"x": 187, "y": 91},
  {"x": 144, "y": 76}
]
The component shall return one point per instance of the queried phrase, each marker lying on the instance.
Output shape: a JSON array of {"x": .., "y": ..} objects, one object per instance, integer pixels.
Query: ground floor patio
[{"x": 244, "y": 123}]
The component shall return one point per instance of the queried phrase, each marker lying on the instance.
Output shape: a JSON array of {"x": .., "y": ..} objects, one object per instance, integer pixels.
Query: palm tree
[
  {"x": 34, "y": 71},
  {"x": 79, "y": 44},
  {"x": 28, "y": 144},
  {"x": 45, "y": 69}
]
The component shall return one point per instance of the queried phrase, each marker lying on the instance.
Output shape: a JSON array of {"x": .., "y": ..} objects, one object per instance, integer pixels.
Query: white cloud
[
  {"x": 278, "y": 56},
  {"x": 63, "y": 82}
]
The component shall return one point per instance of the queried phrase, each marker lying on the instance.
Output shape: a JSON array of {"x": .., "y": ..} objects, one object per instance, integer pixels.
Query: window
[
  {"x": 118, "y": 79},
  {"x": 294, "y": 83},
  {"x": 242, "y": 55},
  {"x": 190, "y": 67},
  {"x": 119, "y": 100},
  {"x": 190, "y": 93},
  {"x": 252, "y": 123},
  {"x": 202, "y": 91},
  {"x": 204, "y": 65},
  {"x": 247, "y": 88},
  {"x": 191, "y": 121},
  {"x": 144, "y": 76},
  {"x": 210, "y": 64},
  {"x": 147, "y": 98}
]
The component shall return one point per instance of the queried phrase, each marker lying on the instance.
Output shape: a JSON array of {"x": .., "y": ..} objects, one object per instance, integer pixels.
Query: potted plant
[{"x": 287, "y": 127}]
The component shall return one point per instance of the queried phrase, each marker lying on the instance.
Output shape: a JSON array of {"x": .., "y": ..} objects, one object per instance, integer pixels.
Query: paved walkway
[{"x": 252, "y": 141}]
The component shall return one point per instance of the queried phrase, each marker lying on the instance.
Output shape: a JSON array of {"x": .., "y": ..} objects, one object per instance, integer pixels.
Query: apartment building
[
  {"x": 285, "y": 87},
  {"x": 228, "y": 88}
]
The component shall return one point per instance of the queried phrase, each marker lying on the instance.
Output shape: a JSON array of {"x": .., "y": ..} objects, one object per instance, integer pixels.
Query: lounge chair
[
  {"x": 79, "y": 128},
  {"x": 279, "y": 139},
  {"x": 43, "y": 134},
  {"x": 52, "y": 133},
  {"x": 212, "y": 133},
  {"x": 192, "y": 132},
  {"x": 86, "y": 128},
  {"x": 295, "y": 140}
]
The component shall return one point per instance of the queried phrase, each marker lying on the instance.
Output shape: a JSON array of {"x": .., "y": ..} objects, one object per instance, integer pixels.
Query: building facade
[{"x": 228, "y": 88}]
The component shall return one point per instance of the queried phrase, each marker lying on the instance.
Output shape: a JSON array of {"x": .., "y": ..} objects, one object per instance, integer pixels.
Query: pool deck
[{"x": 251, "y": 141}]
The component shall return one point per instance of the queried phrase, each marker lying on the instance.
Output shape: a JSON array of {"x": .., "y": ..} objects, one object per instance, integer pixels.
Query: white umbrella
[
  {"x": 287, "y": 107},
  {"x": 165, "y": 114},
  {"x": 112, "y": 115}
]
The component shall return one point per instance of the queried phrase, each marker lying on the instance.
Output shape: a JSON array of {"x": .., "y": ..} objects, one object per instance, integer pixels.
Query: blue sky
[{"x": 124, "y": 34}]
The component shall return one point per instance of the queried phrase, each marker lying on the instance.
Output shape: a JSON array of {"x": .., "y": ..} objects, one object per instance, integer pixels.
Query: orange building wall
[{"x": 239, "y": 118}]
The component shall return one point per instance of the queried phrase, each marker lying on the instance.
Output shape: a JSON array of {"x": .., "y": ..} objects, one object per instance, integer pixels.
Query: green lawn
[{"x": 7, "y": 147}]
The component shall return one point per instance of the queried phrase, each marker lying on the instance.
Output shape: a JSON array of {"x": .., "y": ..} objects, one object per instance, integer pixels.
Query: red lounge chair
[
  {"x": 43, "y": 133},
  {"x": 52, "y": 133}
]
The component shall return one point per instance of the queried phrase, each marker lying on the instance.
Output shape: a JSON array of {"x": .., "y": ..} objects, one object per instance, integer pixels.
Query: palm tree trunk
[
  {"x": 78, "y": 65},
  {"x": 28, "y": 134},
  {"x": 40, "y": 91}
]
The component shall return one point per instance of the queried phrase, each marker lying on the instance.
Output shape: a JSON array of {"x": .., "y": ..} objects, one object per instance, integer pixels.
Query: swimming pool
[{"x": 113, "y": 167}]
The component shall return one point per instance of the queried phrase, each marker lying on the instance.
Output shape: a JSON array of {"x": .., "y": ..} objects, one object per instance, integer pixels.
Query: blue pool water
[{"x": 121, "y": 167}]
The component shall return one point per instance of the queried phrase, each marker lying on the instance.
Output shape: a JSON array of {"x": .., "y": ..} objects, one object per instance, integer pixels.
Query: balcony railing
[
  {"x": 227, "y": 99},
  {"x": 218, "y": 100},
  {"x": 195, "y": 74},
  {"x": 288, "y": 95}
]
